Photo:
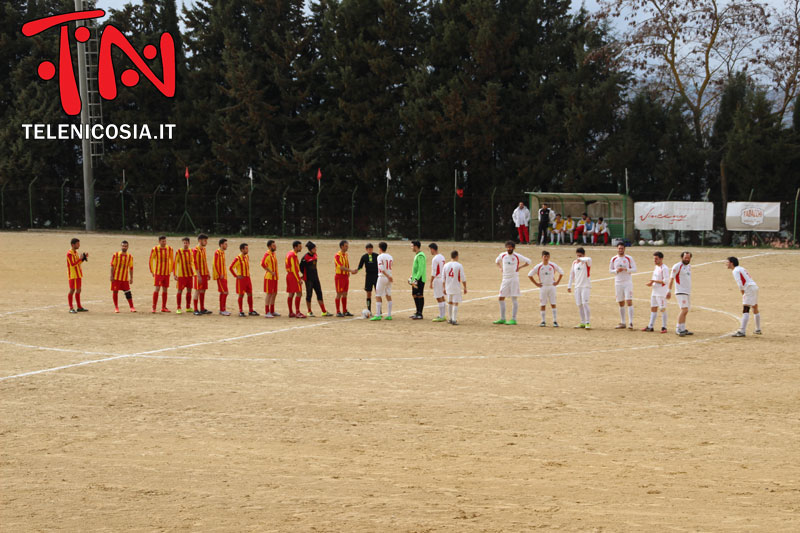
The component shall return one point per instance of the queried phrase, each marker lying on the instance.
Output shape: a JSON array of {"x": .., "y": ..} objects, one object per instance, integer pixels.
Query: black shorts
[
  {"x": 370, "y": 282},
  {"x": 417, "y": 291}
]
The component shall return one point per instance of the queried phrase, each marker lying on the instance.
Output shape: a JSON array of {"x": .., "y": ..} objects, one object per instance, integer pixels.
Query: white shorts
[
  {"x": 383, "y": 287},
  {"x": 454, "y": 297},
  {"x": 547, "y": 294},
  {"x": 438, "y": 288},
  {"x": 683, "y": 301},
  {"x": 658, "y": 301},
  {"x": 624, "y": 291},
  {"x": 510, "y": 287},
  {"x": 750, "y": 296},
  {"x": 582, "y": 295}
]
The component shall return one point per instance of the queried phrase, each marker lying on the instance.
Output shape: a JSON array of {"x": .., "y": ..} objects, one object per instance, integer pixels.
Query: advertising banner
[
  {"x": 684, "y": 216},
  {"x": 753, "y": 216}
]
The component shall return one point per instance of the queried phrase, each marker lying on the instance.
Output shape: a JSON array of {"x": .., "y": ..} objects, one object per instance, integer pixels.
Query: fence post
[
  {"x": 491, "y": 212},
  {"x": 353, "y": 211},
  {"x": 319, "y": 190},
  {"x": 3, "y": 205},
  {"x": 30, "y": 199},
  {"x": 283, "y": 212},
  {"x": 216, "y": 209},
  {"x": 62, "y": 202},
  {"x": 154, "y": 206},
  {"x": 419, "y": 213},
  {"x": 122, "y": 197},
  {"x": 794, "y": 231}
]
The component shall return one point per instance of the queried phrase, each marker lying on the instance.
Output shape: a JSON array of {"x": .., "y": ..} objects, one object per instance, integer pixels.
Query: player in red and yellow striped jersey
[
  {"x": 341, "y": 278},
  {"x": 201, "y": 275},
  {"x": 240, "y": 268},
  {"x": 221, "y": 275},
  {"x": 122, "y": 276},
  {"x": 75, "y": 274},
  {"x": 184, "y": 273},
  {"x": 161, "y": 266},
  {"x": 294, "y": 287},
  {"x": 270, "y": 265}
]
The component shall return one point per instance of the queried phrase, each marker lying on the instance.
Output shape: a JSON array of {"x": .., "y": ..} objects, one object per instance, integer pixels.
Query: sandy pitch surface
[{"x": 166, "y": 422}]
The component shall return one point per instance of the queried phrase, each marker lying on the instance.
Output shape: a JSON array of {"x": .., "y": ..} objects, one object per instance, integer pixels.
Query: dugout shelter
[{"x": 616, "y": 209}]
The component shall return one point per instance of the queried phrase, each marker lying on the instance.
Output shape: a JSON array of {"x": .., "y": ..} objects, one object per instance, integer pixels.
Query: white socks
[
  {"x": 653, "y": 315},
  {"x": 757, "y": 316},
  {"x": 583, "y": 318},
  {"x": 389, "y": 308},
  {"x": 454, "y": 313},
  {"x": 745, "y": 320},
  {"x": 664, "y": 319},
  {"x": 586, "y": 313},
  {"x": 502, "y": 309},
  {"x": 441, "y": 309},
  {"x": 555, "y": 315},
  {"x": 514, "y": 307},
  {"x": 622, "y": 315},
  {"x": 630, "y": 314},
  {"x": 378, "y": 308},
  {"x": 543, "y": 314}
]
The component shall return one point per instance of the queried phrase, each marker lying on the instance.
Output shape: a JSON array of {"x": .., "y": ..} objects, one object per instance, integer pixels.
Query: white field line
[
  {"x": 16, "y": 311},
  {"x": 318, "y": 324}
]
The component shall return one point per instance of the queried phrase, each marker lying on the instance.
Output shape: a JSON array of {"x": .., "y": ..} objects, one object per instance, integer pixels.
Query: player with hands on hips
[{"x": 510, "y": 262}]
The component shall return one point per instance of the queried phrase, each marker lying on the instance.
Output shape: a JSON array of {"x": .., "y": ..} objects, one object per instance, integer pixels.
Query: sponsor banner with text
[
  {"x": 684, "y": 216},
  {"x": 753, "y": 216}
]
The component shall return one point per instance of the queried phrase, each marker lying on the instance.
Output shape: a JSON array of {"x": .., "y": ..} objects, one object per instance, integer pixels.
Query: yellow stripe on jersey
[
  {"x": 184, "y": 264},
  {"x": 161, "y": 260},
  {"x": 122, "y": 263},
  {"x": 74, "y": 270},
  {"x": 342, "y": 263},
  {"x": 220, "y": 272},
  {"x": 200, "y": 261}
]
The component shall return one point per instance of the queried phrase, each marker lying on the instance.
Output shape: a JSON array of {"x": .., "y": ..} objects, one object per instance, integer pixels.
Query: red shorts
[
  {"x": 201, "y": 282},
  {"x": 342, "y": 282},
  {"x": 120, "y": 286},
  {"x": 75, "y": 284},
  {"x": 270, "y": 286},
  {"x": 161, "y": 281},
  {"x": 184, "y": 282},
  {"x": 292, "y": 285},
  {"x": 222, "y": 285},
  {"x": 244, "y": 285}
]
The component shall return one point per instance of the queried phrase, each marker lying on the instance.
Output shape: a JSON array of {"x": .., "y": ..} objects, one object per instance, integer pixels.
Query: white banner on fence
[
  {"x": 753, "y": 216},
  {"x": 685, "y": 216}
]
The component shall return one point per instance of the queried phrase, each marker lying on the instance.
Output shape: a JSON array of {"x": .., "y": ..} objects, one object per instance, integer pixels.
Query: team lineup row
[{"x": 189, "y": 268}]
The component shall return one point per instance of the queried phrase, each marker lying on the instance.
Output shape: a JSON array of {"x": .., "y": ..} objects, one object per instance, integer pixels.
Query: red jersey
[
  {"x": 270, "y": 262},
  {"x": 241, "y": 266},
  {"x": 342, "y": 263},
  {"x": 161, "y": 260},
  {"x": 74, "y": 270},
  {"x": 292, "y": 266},
  {"x": 122, "y": 262},
  {"x": 184, "y": 264},
  {"x": 220, "y": 272},
  {"x": 200, "y": 261}
]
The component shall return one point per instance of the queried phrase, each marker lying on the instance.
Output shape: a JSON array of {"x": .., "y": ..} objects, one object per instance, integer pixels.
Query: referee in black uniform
[{"x": 369, "y": 261}]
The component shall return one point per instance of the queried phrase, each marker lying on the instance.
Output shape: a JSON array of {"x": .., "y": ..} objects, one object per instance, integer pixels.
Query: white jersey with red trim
[
  {"x": 454, "y": 275},
  {"x": 546, "y": 273},
  {"x": 437, "y": 266},
  {"x": 580, "y": 273},
  {"x": 510, "y": 263},
  {"x": 742, "y": 278},
  {"x": 682, "y": 274},
  {"x": 385, "y": 263},
  {"x": 660, "y": 279},
  {"x": 625, "y": 262}
]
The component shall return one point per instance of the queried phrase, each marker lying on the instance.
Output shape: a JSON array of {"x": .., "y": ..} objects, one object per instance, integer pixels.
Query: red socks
[
  {"x": 195, "y": 305},
  {"x": 179, "y": 298},
  {"x": 250, "y": 301},
  {"x": 69, "y": 297},
  {"x": 322, "y": 306},
  {"x": 164, "y": 299},
  {"x": 155, "y": 299},
  {"x": 289, "y": 301},
  {"x": 222, "y": 298},
  {"x": 78, "y": 299},
  {"x": 241, "y": 299},
  {"x": 202, "y": 300},
  {"x": 344, "y": 304},
  {"x": 297, "y": 303},
  {"x": 115, "y": 296},
  {"x": 337, "y": 305}
]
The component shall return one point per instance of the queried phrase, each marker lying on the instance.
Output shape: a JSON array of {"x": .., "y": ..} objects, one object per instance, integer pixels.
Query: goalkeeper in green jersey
[{"x": 417, "y": 279}]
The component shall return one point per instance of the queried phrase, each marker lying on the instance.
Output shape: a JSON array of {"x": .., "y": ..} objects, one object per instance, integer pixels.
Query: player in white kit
[
  {"x": 580, "y": 277},
  {"x": 454, "y": 279},
  {"x": 383, "y": 289},
  {"x": 622, "y": 266},
  {"x": 681, "y": 277},
  {"x": 658, "y": 297},
  {"x": 437, "y": 279},
  {"x": 749, "y": 291},
  {"x": 546, "y": 271},
  {"x": 510, "y": 262}
]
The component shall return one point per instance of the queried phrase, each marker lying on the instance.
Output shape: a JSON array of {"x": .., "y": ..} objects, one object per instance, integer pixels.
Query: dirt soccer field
[{"x": 165, "y": 422}]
